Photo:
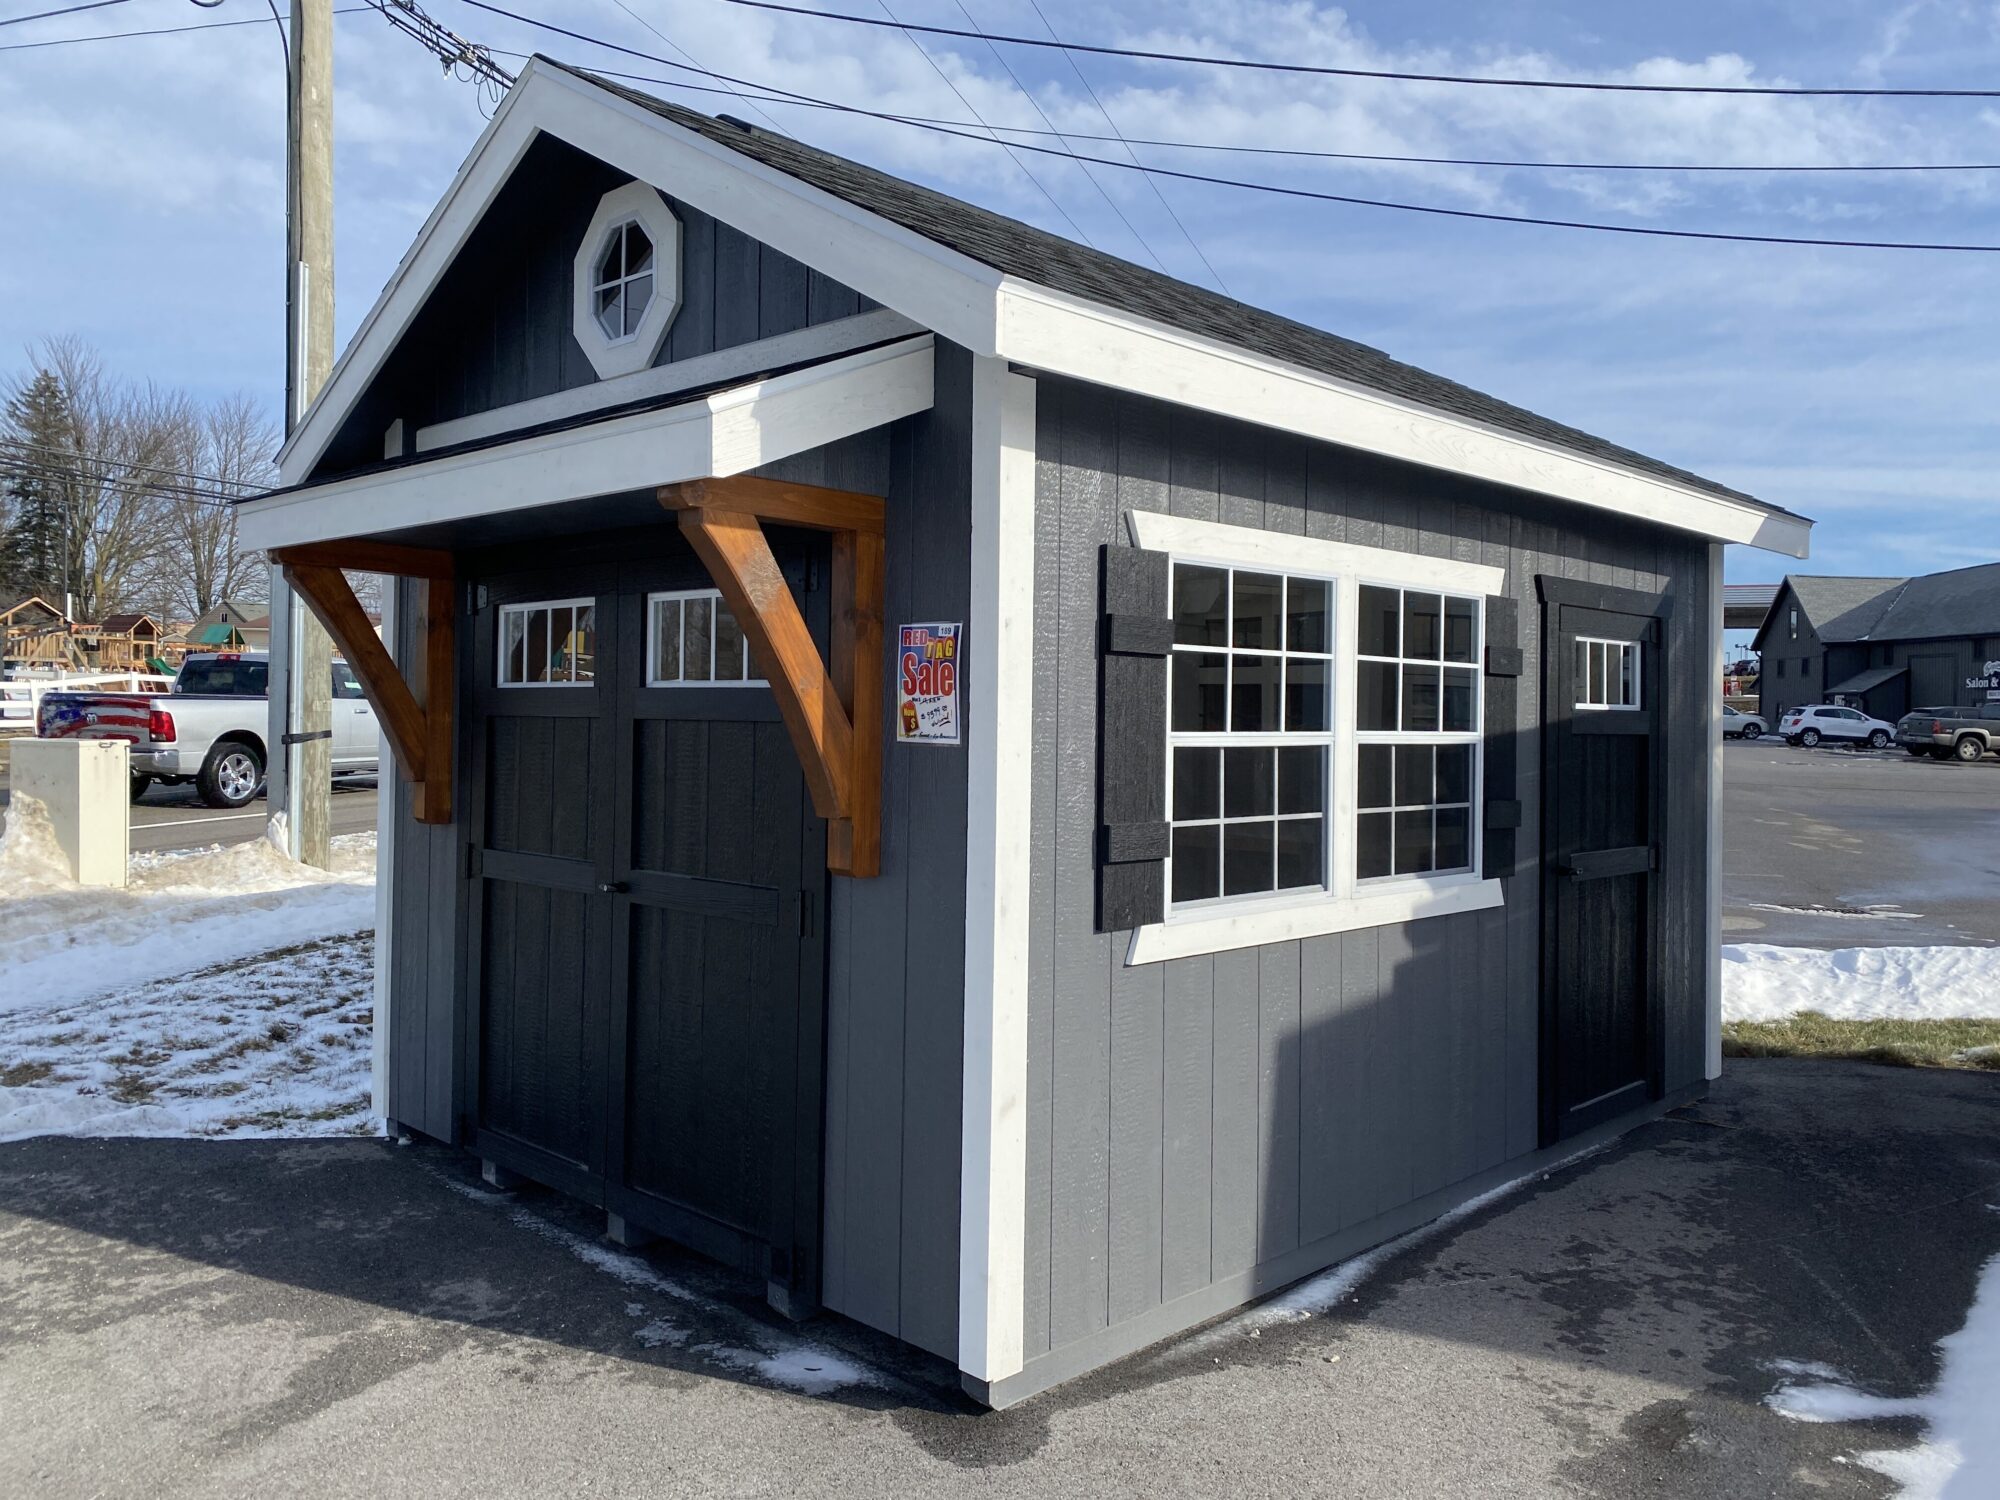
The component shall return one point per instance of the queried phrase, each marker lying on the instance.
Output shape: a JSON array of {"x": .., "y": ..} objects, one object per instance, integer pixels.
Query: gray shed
[{"x": 1024, "y": 802}]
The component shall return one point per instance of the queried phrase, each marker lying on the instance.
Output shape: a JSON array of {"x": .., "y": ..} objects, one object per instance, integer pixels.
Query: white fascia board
[
  {"x": 726, "y": 433},
  {"x": 478, "y": 181},
  {"x": 1069, "y": 336},
  {"x": 820, "y": 341},
  {"x": 1249, "y": 546},
  {"x": 999, "y": 684}
]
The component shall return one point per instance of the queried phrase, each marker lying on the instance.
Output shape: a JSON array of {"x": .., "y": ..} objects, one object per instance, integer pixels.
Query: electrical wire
[
  {"x": 134, "y": 488},
  {"x": 745, "y": 98},
  {"x": 1035, "y": 104},
  {"x": 1019, "y": 165},
  {"x": 70, "y": 455},
  {"x": 1393, "y": 76},
  {"x": 779, "y": 95},
  {"x": 1075, "y": 68},
  {"x": 68, "y": 10},
  {"x": 119, "y": 36}
]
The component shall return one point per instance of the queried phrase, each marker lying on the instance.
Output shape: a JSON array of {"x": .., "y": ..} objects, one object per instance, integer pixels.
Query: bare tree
[{"x": 199, "y": 561}]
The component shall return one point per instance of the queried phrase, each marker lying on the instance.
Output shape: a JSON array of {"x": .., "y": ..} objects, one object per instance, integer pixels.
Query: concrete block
[{"x": 85, "y": 788}]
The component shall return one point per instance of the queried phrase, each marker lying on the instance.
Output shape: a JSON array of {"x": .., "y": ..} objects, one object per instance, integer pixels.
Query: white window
[
  {"x": 1324, "y": 737},
  {"x": 692, "y": 640},
  {"x": 627, "y": 280},
  {"x": 550, "y": 643},
  {"x": 1249, "y": 726},
  {"x": 1607, "y": 674}
]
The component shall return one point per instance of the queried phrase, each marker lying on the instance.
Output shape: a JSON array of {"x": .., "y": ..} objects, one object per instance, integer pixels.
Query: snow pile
[
  {"x": 1959, "y": 1457},
  {"x": 278, "y": 1045},
  {"x": 185, "y": 910},
  {"x": 1765, "y": 983}
]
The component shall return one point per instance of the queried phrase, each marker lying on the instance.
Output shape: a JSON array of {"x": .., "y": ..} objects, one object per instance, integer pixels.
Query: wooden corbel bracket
[
  {"x": 417, "y": 722},
  {"x": 833, "y": 709}
]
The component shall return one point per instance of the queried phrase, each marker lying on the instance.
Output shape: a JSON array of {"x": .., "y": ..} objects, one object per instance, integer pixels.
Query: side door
[
  {"x": 354, "y": 738},
  {"x": 1601, "y": 1042}
]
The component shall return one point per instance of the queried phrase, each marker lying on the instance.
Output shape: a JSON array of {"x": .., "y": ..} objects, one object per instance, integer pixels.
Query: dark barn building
[
  {"x": 1316, "y": 825},
  {"x": 1882, "y": 645}
]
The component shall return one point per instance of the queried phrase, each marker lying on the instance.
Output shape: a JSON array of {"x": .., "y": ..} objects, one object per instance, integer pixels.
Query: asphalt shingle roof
[
  {"x": 1047, "y": 260},
  {"x": 1964, "y": 601},
  {"x": 1843, "y": 609}
]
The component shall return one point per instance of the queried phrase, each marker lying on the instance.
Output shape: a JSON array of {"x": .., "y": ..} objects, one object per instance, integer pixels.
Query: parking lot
[{"x": 1840, "y": 848}]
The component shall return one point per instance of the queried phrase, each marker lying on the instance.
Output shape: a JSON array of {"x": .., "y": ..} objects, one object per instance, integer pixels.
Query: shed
[{"x": 1021, "y": 801}]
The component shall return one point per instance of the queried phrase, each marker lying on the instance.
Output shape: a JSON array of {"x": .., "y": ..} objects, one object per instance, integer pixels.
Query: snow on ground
[
  {"x": 1765, "y": 983},
  {"x": 184, "y": 910},
  {"x": 276, "y": 1045},
  {"x": 1959, "y": 1457}
]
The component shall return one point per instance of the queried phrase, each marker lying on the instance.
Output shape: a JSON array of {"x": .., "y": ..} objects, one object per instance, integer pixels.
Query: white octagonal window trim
[{"x": 626, "y": 282}]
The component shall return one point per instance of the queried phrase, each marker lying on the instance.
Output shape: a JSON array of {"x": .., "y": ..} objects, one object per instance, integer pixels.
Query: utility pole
[{"x": 306, "y": 743}]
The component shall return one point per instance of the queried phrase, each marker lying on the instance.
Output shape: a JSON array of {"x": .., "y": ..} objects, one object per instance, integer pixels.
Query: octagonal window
[{"x": 622, "y": 282}]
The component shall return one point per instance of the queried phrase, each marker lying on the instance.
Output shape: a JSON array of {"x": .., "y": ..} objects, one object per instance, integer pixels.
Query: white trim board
[
  {"x": 1312, "y": 917},
  {"x": 1250, "y": 546},
  {"x": 975, "y": 306},
  {"x": 1069, "y": 336},
  {"x": 822, "y": 341},
  {"x": 999, "y": 681},
  {"x": 729, "y": 432}
]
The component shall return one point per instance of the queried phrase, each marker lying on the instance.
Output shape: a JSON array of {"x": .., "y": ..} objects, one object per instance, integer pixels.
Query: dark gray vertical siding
[
  {"x": 423, "y": 951},
  {"x": 896, "y": 963},
  {"x": 1194, "y": 1120}
]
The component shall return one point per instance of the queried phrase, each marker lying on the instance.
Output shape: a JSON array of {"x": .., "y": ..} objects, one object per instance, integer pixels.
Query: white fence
[{"x": 21, "y": 697}]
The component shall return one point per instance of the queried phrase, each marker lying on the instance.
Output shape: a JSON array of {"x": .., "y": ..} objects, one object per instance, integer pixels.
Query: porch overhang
[{"x": 722, "y": 433}]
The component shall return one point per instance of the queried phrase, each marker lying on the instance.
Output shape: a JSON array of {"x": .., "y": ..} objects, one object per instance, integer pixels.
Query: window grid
[
  {"x": 1419, "y": 707},
  {"x": 693, "y": 640},
  {"x": 548, "y": 643},
  {"x": 622, "y": 284},
  {"x": 1607, "y": 674},
  {"x": 1248, "y": 766}
]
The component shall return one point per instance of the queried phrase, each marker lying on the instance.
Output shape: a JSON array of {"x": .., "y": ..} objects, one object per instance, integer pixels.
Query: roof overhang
[
  {"x": 727, "y": 432},
  {"x": 977, "y": 307}
]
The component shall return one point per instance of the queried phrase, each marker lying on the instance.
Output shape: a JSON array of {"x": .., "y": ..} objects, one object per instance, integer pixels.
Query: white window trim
[
  {"x": 653, "y": 678},
  {"x": 1347, "y": 905},
  {"x": 534, "y": 606},
  {"x": 627, "y": 354},
  {"x": 1638, "y": 703}
]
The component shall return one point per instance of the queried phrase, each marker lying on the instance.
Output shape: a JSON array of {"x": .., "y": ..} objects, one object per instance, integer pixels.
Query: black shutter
[
  {"x": 1503, "y": 733},
  {"x": 1134, "y": 641}
]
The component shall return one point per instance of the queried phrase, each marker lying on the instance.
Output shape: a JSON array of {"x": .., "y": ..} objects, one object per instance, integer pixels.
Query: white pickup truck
[{"x": 211, "y": 728}]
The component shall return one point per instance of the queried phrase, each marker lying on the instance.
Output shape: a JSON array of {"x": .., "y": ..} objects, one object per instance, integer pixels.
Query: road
[
  {"x": 173, "y": 817},
  {"x": 1835, "y": 848}
]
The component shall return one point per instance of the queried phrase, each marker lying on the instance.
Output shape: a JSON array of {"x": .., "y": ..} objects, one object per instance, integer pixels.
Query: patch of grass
[
  {"x": 21, "y": 1074},
  {"x": 1901, "y": 1044}
]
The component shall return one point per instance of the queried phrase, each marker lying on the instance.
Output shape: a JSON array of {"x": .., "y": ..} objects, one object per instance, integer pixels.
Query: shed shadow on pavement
[{"x": 1634, "y": 1303}]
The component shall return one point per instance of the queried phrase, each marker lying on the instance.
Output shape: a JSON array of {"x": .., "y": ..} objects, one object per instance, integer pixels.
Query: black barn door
[
  {"x": 646, "y": 998},
  {"x": 1601, "y": 1035}
]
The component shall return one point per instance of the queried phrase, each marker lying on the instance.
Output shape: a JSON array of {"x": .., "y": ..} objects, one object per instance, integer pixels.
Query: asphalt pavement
[
  {"x": 1839, "y": 848},
  {"x": 354, "y": 1318}
]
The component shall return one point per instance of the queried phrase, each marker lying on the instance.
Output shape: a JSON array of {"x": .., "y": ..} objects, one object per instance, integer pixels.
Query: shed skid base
[
  {"x": 496, "y": 1176},
  {"x": 1240, "y": 1291},
  {"x": 623, "y": 1232}
]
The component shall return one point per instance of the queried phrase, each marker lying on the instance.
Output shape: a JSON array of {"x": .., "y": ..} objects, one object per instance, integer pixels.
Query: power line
[
  {"x": 1033, "y": 103},
  {"x": 451, "y": 49},
  {"x": 1020, "y": 165},
  {"x": 1076, "y": 69},
  {"x": 67, "y": 10},
  {"x": 1277, "y": 189},
  {"x": 1393, "y": 76},
  {"x": 144, "y": 490},
  {"x": 687, "y": 54},
  {"x": 119, "y": 36},
  {"x": 72, "y": 456}
]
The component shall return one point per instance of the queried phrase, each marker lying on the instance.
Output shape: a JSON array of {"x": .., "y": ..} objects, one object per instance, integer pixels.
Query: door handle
[{"x": 613, "y": 887}]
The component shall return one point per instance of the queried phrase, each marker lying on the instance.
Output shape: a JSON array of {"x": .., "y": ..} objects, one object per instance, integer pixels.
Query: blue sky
[{"x": 143, "y": 186}]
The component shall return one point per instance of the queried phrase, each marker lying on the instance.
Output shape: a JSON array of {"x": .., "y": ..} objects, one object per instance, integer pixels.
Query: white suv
[{"x": 1808, "y": 726}]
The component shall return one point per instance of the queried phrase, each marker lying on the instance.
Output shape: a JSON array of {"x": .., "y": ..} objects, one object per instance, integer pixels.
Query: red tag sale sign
[{"x": 927, "y": 664}]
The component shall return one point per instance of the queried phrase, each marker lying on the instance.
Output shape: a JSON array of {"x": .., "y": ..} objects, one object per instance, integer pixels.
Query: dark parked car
[{"x": 1965, "y": 733}]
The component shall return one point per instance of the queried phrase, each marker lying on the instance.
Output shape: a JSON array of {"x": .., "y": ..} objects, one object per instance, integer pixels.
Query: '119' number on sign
[{"x": 927, "y": 683}]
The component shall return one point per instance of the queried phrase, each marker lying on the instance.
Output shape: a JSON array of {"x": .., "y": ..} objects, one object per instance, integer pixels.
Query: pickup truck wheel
[
  {"x": 1809, "y": 738},
  {"x": 1938, "y": 752},
  {"x": 1969, "y": 749},
  {"x": 231, "y": 775},
  {"x": 140, "y": 781},
  {"x": 1878, "y": 740}
]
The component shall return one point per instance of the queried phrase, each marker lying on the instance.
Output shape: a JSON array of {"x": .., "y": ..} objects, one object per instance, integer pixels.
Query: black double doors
[
  {"x": 645, "y": 1003},
  {"x": 1603, "y": 741}
]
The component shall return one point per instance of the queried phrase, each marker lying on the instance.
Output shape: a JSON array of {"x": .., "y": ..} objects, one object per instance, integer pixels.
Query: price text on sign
[{"x": 927, "y": 662}]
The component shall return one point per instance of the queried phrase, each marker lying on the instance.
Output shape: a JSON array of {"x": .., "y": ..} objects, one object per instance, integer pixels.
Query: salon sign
[{"x": 927, "y": 661}]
